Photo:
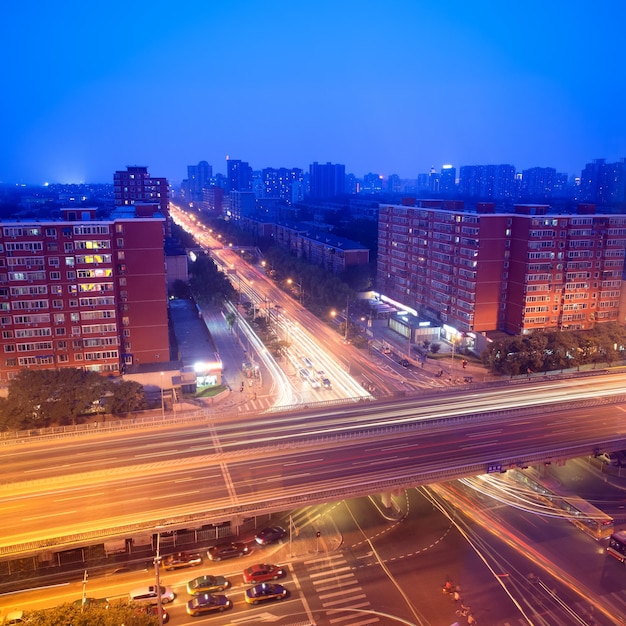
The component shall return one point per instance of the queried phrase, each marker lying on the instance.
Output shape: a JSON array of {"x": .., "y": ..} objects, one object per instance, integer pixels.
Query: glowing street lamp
[{"x": 290, "y": 281}]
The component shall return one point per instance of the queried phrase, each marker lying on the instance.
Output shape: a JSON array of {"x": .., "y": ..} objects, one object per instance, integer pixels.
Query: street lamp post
[
  {"x": 290, "y": 281},
  {"x": 157, "y": 564},
  {"x": 162, "y": 399}
]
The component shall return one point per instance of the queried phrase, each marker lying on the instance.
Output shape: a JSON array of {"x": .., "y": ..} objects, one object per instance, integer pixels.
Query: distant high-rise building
[
  {"x": 538, "y": 183},
  {"x": 198, "y": 178},
  {"x": 327, "y": 181},
  {"x": 372, "y": 183},
  {"x": 394, "y": 184},
  {"x": 282, "y": 183},
  {"x": 242, "y": 204},
  {"x": 433, "y": 181},
  {"x": 447, "y": 180},
  {"x": 487, "y": 182},
  {"x": 213, "y": 200},
  {"x": 603, "y": 183},
  {"x": 239, "y": 174}
]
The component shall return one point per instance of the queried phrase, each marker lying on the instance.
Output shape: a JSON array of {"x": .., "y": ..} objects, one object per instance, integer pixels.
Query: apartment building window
[
  {"x": 7, "y": 334},
  {"x": 120, "y": 255},
  {"x": 11, "y": 363},
  {"x": 51, "y": 232},
  {"x": 78, "y": 356},
  {"x": 9, "y": 347},
  {"x": 53, "y": 261},
  {"x": 59, "y": 331},
  {"x": 69, "y": 261},
  {"x": 68, "y": 246},
  {"x": 63, "y": 358},
  {"x": 122, "y": 282}
]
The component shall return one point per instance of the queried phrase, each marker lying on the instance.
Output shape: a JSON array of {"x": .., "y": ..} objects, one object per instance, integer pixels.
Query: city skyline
[{"x": 392, "y": 89}]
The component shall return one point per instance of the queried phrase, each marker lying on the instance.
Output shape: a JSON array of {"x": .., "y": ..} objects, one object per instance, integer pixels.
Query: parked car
[
  {"x": 610, "y": 458},
  {"x": 207, "y": 603},
  {"x": 181, "y": 559},
  {"x": 265, "y": 591},
  {"x": 148, "y": 595},
  {"x": 227, "y": 550},
  {"x": 270, "y": 535},
  {"x": 326, "y": 383},
  {"x": 207, "y": 584},
  {"x": 262, "y": 572},
  {"x": 15, "y": 617}
]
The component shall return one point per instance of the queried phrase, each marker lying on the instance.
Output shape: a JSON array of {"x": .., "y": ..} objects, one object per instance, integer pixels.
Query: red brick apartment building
[
  {"x": 81, "y": 291},
  {"x": 515, "y": 272}
]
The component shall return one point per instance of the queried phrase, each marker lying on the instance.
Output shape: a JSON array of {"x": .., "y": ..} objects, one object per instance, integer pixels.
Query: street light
[
  {"x": 290, "y": 281},
  {"x": 162, "y": 400}
]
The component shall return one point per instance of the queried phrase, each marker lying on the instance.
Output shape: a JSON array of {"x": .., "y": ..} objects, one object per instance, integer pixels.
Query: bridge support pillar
[{"x": 386, "y": 499}]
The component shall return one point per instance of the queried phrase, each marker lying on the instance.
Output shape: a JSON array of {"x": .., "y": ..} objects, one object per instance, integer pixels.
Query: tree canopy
[
  {"x": 93, "y": 615},
  {"x": 58, "y": 397},
  {"x": 544, "y": 351}
]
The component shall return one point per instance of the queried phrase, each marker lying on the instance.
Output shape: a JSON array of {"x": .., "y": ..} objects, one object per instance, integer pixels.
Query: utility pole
[{"x": 157, "y": 564}]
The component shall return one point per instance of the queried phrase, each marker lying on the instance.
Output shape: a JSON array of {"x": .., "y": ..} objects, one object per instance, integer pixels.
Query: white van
[{"x": 148, "y": 595}]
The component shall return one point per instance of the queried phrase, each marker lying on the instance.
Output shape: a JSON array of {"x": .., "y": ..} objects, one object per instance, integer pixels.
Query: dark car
[
  {"x": 404, "y": 362},
  {"x": 207, "y": 603},
  {"x": 269, "y": 535},
  {"x": 265, "y": 591},
  {"x": 227, "y": 550},
  {"x": 181, "y": 559},
  {"x": 261, "y": 572},
  {"x": 207, "y": 584}
]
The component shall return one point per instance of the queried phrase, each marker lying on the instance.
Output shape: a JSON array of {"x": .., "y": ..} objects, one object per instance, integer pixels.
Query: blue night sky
[{"x": 391, "y": 87}]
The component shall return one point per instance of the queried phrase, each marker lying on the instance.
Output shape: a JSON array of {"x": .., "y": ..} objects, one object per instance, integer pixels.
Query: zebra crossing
[{"x": 337, "y": 588}]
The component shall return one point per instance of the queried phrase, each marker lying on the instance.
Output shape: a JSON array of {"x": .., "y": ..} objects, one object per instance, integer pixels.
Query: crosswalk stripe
[
  {"x": 326, "y": 559},
  {"x": 345, "y": 618},
  {"x": 329, "y": 574},
  {"x": 344, "y": 600},
  {"x": 369, "y": 620},
  {"x": 340, "y": 593},
  {"x": 336, "y": 581}
]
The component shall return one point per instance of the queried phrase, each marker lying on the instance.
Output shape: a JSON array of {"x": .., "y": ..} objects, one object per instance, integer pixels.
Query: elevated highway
[{"x": 72, "y": 491}]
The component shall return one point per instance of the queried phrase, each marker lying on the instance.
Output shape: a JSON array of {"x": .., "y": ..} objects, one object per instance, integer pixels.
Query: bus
[
  {"x": 617, "y": 545},
  {"x": 588, "y": 517}
]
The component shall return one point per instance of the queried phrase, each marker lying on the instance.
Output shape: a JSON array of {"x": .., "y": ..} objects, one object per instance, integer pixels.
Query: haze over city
[{"x": 391, "y": 88}]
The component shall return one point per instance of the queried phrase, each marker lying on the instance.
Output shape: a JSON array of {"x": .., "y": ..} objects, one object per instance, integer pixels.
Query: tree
[
  {"x": 230, "y": 318},
  {"x": 126, "y": 396},
  {"x": 41, "y": 398},
  {"x": 94, "y": 615},
  {"x": 435, "y": 347}
]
